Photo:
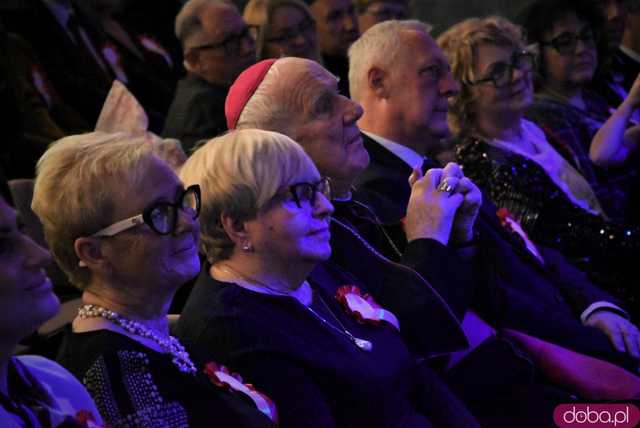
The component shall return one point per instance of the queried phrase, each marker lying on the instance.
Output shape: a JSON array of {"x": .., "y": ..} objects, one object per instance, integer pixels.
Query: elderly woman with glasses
[
  {"x": 282, "y": 28},
  {"x": 539, "y": 194},
  {"x": 124, "y": 229},
  {"x": 598, "y": 139},
  {"x": 271, "y": 306}
]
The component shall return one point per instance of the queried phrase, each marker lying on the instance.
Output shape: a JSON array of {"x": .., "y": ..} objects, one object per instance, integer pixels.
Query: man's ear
[
  {"x": 89, "y": 252},
  {"x": 378, "y": 82}
]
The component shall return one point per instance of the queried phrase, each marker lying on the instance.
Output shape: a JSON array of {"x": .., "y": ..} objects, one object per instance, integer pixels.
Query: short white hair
[
  {"x": 238, "y": 173},
  {"x": 270, "y": 106},
  {"x": 381, "y": 46},
  {"x": 76, "y": 181}
]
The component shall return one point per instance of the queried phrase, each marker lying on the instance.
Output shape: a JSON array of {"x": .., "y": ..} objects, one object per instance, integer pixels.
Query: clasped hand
[{"x": 443, "y": 205}]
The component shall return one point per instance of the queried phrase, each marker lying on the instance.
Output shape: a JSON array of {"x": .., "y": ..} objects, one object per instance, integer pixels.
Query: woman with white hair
[
  {"x": 271, "y": 306},
  {"x": 124, "y": 229}
]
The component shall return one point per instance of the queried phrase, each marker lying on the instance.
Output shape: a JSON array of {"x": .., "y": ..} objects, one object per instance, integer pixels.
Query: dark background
[{"x": 444, "y": 13}]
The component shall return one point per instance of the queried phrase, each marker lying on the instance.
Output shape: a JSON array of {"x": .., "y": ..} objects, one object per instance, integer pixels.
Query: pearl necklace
[
  {"x": 363, "y": 344},
  {"x": 169, "y": 344}
]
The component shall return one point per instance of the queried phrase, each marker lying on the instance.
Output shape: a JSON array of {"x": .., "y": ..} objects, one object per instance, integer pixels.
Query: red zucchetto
[{"x": 243, "y": 89}]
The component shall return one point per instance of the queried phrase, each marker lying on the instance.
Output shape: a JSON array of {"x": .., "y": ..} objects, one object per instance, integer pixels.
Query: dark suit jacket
[
  {"x": 196, "y": 113},
  {"x": 77, "y": 77},
  {"x": 513, "y": 288}
]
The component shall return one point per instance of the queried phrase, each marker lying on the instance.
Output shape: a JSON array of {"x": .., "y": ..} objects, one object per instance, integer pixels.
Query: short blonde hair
[
  {"x": 460, "y": 44},
  {"x": 76, "y": 180},
  {"x": 259, "y": 13},
  {"x": 239, "y": 173}
]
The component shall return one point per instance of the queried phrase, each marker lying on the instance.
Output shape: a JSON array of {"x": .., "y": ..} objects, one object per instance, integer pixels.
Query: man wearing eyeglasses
[
  {"x": 217, "y": 46},
  {"x": 372, "y": 12}
]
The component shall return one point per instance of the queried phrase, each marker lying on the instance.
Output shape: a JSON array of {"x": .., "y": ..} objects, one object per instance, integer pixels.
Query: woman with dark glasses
[
  {"x": 515, "y": 165},
  {"x": 597, "y": 138},
  {"x": 124, "y": 229},
  {"x": 271, "y": 306}
]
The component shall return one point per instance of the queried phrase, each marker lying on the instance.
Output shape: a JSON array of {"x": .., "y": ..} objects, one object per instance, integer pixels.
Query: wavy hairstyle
[{"x": 460, "y": 45}]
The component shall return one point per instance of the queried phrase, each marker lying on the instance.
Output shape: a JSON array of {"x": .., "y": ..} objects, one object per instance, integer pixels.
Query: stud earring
[{"x": 247, "y": 247}]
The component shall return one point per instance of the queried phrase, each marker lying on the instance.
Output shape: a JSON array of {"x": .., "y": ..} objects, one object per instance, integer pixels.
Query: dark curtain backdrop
[{"x": 444, "y": 13}]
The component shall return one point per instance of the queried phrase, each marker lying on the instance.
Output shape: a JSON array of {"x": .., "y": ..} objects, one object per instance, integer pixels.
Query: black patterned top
[
  {"x": 545, "y": 212},
  {"x": 134, "y": 386}
]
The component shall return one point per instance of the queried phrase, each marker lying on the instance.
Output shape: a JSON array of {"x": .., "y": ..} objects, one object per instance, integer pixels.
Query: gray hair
[
  {"x": 239, "y": 173},
  {"x": 270, "y": 106},
  {"x": 381, "y": 45},
  {"x": 188, "y": 25},
  {"x": 76, "y": 180}
]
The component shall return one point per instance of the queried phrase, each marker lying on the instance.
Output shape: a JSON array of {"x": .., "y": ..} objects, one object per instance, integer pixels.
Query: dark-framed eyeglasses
[
  {"x": 161, "y": 217},
  {"x": 305, "y": 28},
  {"x": 501, "y": 73},
  {"x": 306, "y": 193},
  {"x": 566, "y": 43},
  {"x": 232, "y": 43}
]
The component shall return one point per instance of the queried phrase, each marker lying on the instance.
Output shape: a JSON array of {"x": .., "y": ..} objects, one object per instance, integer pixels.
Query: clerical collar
[{"x": 409, "y": 156}]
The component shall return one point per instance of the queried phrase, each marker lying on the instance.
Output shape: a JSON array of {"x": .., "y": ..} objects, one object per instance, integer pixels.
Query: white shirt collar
[
  {"x": 630, "y": 53},
  {"x": 409, "y": 156}
]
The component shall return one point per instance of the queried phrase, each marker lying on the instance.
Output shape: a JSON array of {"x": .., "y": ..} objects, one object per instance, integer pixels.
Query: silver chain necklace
[
  {"x": 169, "y": 344},
  {"x": 363, "y": 344}
]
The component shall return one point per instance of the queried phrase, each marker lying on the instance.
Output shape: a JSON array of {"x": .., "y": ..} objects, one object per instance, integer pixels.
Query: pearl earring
[{"x": 247, "y": 246}]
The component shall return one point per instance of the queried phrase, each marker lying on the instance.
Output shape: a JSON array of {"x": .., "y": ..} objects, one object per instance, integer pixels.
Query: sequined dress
[{"x": 602, "y": 248}]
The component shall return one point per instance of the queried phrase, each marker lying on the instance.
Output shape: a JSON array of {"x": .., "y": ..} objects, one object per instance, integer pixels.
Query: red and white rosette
[
  {"x": 220, "y": 376},
  {"x": 86, "y": 419},
  {"x": 363, "y": 307}
]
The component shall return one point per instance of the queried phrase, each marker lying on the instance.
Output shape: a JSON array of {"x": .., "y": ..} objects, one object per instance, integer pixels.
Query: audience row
[{"x": 451, "y": 245}]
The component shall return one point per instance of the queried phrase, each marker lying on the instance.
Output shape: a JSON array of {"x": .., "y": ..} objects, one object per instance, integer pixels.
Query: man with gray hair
[
  {"x": 405, "y": 99},
  {"x": 216, "y": 46}
]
